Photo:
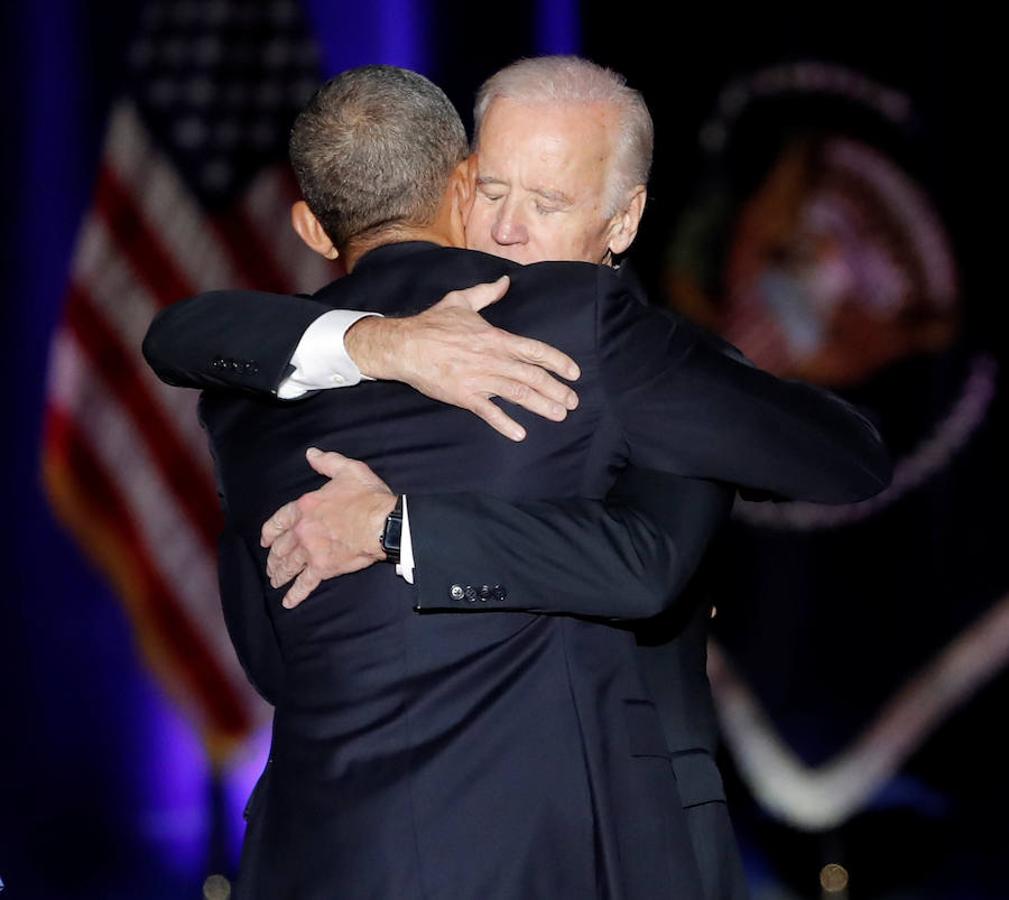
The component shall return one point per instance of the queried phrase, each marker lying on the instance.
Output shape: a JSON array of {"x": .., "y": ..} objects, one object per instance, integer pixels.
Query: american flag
[{"x": 192, "y": 193}]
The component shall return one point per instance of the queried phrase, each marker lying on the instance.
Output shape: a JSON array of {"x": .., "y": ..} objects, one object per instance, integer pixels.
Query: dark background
[{"x": 104, "y": 790}]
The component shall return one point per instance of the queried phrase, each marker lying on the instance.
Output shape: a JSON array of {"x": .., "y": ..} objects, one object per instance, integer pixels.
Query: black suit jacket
[{"x": 653, "y": 390}]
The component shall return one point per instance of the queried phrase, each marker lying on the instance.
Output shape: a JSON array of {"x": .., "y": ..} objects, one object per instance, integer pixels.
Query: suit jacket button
[
  {"x": 456, "y": 592},
  {"x": 499, "y": 592},
  {"x": 485, "y": 593},
  {"x": 470, "y": 593},
  {"x": 218, "y": 363}
]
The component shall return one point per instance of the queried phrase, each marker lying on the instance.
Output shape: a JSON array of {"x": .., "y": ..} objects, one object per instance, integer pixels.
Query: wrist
[
  {"x": 384, "y": 507},
  {"x": 369, "y": 342}
]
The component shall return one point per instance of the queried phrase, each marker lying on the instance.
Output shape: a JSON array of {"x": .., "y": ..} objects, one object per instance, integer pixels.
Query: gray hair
[
  {"x": 571, "y": 79},
  {"x": 373, "y": 151}
]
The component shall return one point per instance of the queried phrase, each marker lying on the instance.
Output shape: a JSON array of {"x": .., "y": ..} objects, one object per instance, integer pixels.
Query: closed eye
[
  {"x": 491, "y": 188},
  {"x": 548, "y": 201}
]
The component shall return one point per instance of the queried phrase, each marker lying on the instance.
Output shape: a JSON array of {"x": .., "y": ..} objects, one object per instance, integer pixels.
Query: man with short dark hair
[
  {"x": 366, "y": 182},
  {"x": 488, "y": 755}
]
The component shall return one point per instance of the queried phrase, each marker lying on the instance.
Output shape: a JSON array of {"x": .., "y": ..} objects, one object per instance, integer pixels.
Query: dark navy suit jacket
[{"x": 380, "y": 706}]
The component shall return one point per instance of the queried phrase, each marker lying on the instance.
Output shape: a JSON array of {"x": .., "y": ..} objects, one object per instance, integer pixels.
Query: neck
[
  {"x": 356, "y": 249},
  {"x": 446, "y": 230}
]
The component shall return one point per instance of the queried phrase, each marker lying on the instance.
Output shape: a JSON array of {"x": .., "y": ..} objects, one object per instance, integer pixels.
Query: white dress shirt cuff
[
  {"x": 321, "y": 360},
  {"x": 405, "y": 565}
]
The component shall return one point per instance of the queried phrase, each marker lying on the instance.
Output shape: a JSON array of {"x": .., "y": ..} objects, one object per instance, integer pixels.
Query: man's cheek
[
  {"x": 551, "y": 243},
  {"x": 477, "y": 230}
]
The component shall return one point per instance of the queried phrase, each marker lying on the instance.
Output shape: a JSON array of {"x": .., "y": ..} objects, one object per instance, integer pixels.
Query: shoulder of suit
[
  {"x": 466, "y": 266},
  {"x": 572, "y": 275}
]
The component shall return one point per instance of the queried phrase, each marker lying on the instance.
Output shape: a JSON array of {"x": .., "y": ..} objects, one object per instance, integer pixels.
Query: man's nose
[{"x": 508, "y": 228}]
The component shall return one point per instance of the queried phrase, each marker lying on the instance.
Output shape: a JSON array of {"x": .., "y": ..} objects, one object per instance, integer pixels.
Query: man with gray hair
[
  {"x": 564, "y": 149},
  {"x": 638, "y": 395}
]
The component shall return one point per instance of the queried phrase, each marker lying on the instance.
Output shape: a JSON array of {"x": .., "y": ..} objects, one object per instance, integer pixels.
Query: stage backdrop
[{"x": 809, "y": 202}]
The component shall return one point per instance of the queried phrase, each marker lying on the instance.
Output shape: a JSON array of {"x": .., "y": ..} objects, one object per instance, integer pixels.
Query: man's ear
[
  {"x": 310, "y": 230},
  {"x": 460, "y": 198},
  {"x": 624, "y": 225},
  {"x": 464, "y": 185}
]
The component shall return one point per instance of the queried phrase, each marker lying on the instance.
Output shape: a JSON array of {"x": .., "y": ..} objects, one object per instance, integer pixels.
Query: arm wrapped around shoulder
[
  {"x": 691, "y": 404},
  {"x": 239, "y": 340}
]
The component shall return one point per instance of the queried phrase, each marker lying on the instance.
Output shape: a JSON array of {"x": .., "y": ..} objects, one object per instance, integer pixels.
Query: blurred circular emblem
[
  {"x": 833, "y": 878},
  {"x": 809, "y": 247}
]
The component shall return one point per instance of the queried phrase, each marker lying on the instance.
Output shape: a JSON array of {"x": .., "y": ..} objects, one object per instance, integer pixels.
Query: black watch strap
[{"x": 392, "y": 534}]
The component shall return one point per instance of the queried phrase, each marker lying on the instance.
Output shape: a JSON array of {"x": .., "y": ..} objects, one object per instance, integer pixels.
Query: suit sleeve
[
  {"x": 692, "y": 404},
  {"x": 240, "y": 340},
  {"x": 626, "y": 558}
]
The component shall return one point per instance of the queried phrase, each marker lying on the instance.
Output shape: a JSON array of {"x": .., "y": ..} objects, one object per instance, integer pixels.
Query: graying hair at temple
[
  {"x": 571, "y": 79},
  {"x": 373, "y": 149}
]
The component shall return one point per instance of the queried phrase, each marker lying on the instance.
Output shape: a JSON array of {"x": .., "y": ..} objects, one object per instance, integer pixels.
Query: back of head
[
  {"x": 573, "y": 80},
  {"x": 373, "y": 151}
]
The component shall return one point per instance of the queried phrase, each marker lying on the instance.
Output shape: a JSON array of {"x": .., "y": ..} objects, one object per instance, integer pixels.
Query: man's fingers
[
  {"x": 283, "y": 519},
  {"x": 284, "y": 570},
  {"x": 354, "y": 471},
  {"x": 279, "y": 558},
  {"x": 328, "y": 463},
  {"x": 523, "y": 395},
  {"x": 537, "y": 379},
  {"x": 283, "y": 545},
  {"x": 481, "y": 295},
  {"x": 494, "y": 416},
  {"x": 542, "y": 382},
  {"x": 540, "y": 354},
  {"x": 304, "y": 584}
]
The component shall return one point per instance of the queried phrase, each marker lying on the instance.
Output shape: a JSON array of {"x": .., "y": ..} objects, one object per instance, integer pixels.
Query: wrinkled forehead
[
  {"x": 560, "y": 144},
  {"x": 595, "y": 121}
]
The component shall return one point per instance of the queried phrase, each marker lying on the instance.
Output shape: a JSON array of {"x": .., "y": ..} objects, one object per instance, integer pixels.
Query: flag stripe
[
  {"x": 127, "y": 307},
  {"x": 268, "y": 206},
  {"x": 138, "y": 240},
  {"x": 118, "y": 370},
  {"x": 253, "y": 255},
  {"x": 166, "y": 203},
  {"x": 156, "y": 517},
  {"x": 163, "y": 619}
]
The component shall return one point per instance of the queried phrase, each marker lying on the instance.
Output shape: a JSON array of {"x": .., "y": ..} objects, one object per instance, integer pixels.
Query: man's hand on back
[
  {"x": 452, "y": 354},
  {"x": 331, "y": 531}
]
